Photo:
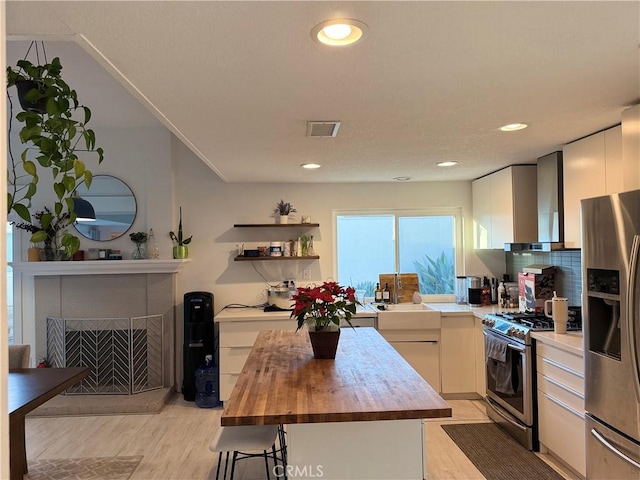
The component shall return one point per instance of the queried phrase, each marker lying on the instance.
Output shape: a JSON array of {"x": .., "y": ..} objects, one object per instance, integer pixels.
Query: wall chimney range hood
[{"x": 550, "y": 208}]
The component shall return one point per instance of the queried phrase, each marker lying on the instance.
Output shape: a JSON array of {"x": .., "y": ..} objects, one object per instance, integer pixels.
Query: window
[{"x": 426, "y": 242}]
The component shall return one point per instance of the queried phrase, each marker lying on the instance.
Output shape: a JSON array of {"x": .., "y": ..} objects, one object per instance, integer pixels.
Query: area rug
[
  {"x": 497, "y": 455},
  {"x": 91, "y": 468}
]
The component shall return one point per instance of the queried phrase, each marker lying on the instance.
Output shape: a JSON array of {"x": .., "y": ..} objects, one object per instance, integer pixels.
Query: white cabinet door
[
  {"x": 501, "y": 208},
  {"x": 481, "y": 193},
  {"x": 424, "y": 357},
  {"x": 614, "y": 172},
  {"x": 458, "y": 362},
  {"x": 481, "y": 371},
  {"x": 584, "y": 176},
  {"x": 631, "y": 148}
]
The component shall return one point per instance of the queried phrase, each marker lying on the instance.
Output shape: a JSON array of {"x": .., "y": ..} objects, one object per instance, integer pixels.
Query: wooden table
[
  {"x": 358, "y": 416},
  {"x": 29, "y": 388}
]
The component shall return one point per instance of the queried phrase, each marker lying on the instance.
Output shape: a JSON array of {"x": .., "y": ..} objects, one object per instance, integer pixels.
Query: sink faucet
[{"x": 397, "y": 286}]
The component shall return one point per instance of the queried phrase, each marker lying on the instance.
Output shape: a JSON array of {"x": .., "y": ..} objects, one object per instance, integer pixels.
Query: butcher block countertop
[{"x": 281, "y": 382}]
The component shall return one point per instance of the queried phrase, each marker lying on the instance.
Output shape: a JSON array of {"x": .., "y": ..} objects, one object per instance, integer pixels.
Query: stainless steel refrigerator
[{"x": 611, "y": 319}]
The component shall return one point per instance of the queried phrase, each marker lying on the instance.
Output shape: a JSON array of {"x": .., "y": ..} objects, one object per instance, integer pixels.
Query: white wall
[
  {"x": 140, "y": 157},
  {"x": 211, "y": 208}
]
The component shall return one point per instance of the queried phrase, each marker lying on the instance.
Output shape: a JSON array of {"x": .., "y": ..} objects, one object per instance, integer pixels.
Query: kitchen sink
[
  {"x": 408, "y": 316},
  {"x": 407, "y": 307}
]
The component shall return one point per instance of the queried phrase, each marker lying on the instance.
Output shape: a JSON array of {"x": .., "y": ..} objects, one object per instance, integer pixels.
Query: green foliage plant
[
  {"x": 436, "y": 276},
  {"x": 52, "y": 138}
]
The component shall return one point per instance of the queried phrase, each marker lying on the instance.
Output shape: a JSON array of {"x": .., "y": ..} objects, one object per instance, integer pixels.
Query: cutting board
[{"x": 409, "y": 282}]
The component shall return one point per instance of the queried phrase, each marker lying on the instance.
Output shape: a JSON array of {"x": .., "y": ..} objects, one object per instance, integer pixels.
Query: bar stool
[{"x": 243, "y": 439}]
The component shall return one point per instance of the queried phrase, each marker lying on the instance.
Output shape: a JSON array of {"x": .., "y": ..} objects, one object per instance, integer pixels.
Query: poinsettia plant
[{"x": 323, "y": 305}]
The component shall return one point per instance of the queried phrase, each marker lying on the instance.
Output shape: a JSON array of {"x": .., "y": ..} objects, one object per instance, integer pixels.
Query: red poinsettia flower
[{"x": 324, "y": 305}]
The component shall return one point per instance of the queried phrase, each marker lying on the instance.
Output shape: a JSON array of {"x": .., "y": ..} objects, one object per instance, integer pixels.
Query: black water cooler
[{"x": 199, "y": 338}]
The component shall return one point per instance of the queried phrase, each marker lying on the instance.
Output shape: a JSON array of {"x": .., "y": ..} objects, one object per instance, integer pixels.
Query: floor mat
[
  {"x": 497, "y": 455},
  {"x": 94, "y": 468}
]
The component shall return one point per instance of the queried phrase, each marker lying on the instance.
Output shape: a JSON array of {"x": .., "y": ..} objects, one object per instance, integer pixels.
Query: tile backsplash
[{"x": 568, "y": 270}]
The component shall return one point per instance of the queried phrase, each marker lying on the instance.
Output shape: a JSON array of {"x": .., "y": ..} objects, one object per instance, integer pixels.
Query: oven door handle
[{"x": 512, "y": 346}]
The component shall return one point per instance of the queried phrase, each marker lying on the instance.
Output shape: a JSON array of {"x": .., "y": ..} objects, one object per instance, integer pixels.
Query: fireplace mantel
[{"x": 98, "y": 267}]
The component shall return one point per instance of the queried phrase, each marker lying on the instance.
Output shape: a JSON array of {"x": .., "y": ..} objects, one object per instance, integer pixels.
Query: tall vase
[
  {"x": 180, "y": 252},
  {"x": 324, "y": 343}
]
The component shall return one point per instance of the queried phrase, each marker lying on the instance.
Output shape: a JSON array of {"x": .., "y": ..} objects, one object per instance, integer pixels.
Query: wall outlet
[{"x": 306, "y": 273}]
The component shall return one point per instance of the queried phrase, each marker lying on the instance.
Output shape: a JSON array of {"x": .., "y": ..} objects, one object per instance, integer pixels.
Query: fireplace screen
[{"x": 124, "y": 354}]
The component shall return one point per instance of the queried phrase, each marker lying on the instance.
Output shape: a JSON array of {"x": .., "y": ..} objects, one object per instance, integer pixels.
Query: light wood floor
[{"x": 175, "y": 442}]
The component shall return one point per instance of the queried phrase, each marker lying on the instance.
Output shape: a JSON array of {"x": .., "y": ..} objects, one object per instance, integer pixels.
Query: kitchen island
[{"x": 359, "y": 416}]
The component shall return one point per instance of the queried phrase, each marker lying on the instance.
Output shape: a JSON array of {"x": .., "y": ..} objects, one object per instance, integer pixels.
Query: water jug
[{"x": 207, "y": 394}]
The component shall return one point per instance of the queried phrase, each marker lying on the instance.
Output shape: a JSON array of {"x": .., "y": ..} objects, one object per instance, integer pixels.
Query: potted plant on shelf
[
  {"x": 321, "y": 308},
  {"x": 282, "y": 210},
  {"x": 180, "y": 250},
  {"x": 138, "y": 238},
  {"x": 54, "y": 131}
]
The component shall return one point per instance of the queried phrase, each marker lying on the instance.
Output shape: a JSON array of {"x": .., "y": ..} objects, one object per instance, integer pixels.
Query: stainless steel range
[{"x": 511, "y": 371}]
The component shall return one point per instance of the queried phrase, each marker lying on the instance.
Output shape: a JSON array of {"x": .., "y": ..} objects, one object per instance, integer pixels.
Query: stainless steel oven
[
  {"x": 510, "y": 391},
  {"x": 511, "y": 379}
]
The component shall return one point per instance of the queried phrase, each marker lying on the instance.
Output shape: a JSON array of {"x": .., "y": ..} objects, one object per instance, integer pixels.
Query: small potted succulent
[
  {"x": 180, "y": 250},
  {"x": 282, "y": 211},
  {"x": 138, "y": 238}
]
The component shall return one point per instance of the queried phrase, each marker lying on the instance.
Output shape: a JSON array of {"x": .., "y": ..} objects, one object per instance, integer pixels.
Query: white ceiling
[{"x": 237, "y": 81}]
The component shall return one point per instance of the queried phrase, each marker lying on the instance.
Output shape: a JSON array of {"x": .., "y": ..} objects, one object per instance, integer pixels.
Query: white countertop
[
  {"x": 239, "y": 314},
  {"x": 570, "y": 341}
]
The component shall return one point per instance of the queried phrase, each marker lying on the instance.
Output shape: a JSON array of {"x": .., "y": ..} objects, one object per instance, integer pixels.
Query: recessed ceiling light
[
  {"x": 310, "y": 166},
  {"x": 446, "y": 164},
  {"x": 512, "y": 127},
  {"x": 402, "y": 179},
  {"x": 339, "y": 32}
]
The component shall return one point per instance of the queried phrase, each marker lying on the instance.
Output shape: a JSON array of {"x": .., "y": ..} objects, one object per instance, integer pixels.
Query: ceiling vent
[{"x": 322, "y": 129}]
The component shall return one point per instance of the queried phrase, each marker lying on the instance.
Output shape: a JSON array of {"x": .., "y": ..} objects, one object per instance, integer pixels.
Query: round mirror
[{"x": 114, "y": 205}]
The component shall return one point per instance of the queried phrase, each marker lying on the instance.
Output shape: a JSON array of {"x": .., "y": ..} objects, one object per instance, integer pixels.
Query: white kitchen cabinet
[
  {"x": 417, "y": 339},
  {"x": 631, "y": 148},
  {"x": 504, "y": 207},
  {"x": 458, "y": 360},
  {"x": 479, "y": 351},
  {"x": 236, "y": 339},
  {"x": 561, "y": 414},
  {"x": 592, "y": 167}
]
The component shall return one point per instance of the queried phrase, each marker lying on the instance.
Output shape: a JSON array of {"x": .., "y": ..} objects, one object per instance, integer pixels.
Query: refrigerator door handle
[
  {"x": 632, "y": 307},
  {"x": 613, "y": 449}
]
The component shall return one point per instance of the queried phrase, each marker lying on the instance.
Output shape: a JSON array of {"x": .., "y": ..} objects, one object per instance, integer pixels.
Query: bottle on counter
[
  {"x": 378, "y": 294},
  {"x": 386, "y": 295},
  {"x": 502, "y": 293}
]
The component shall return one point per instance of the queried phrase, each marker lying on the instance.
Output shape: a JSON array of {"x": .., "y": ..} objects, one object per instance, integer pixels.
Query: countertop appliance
[
  {"x": 611, "y": 292},
  {"x": 510, "y": 364}
]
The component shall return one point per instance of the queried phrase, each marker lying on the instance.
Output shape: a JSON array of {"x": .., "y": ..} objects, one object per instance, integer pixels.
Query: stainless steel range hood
[{"x": 550, "y": 208}]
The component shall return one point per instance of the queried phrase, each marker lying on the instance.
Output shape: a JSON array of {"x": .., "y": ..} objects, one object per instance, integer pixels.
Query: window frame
[{"x": 455, "y": 212}]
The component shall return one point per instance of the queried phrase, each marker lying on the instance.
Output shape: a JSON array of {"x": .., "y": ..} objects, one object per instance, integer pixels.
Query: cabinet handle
[
  {"x": 613, "y": 449},
  {"x": 564, "y": 387},
  {"x": 565, "y": 406},
  {"x": 562, "y": 367}
]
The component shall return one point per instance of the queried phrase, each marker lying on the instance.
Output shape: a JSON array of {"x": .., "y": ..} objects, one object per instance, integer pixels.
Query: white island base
[{"x": 382, "y": 450}]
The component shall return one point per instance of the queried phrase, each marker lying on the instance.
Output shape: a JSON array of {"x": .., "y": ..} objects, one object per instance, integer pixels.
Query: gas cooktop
[{"x": 518, "y": 325}]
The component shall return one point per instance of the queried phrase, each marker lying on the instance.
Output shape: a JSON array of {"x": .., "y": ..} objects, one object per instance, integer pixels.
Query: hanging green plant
[{"x": 54, "y": 130}]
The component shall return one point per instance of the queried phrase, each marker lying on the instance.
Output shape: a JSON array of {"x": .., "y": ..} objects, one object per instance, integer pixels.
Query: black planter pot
[
  {"x": 324, "y": 343},
  {"x": 24, "y": 87}
]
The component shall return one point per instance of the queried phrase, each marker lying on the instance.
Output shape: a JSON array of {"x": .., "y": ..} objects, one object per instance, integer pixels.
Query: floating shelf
[
  {"x": 277, "y": 225},
  {"x": 98, "y": 267},
  {"x": 258, "y": 259}
]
